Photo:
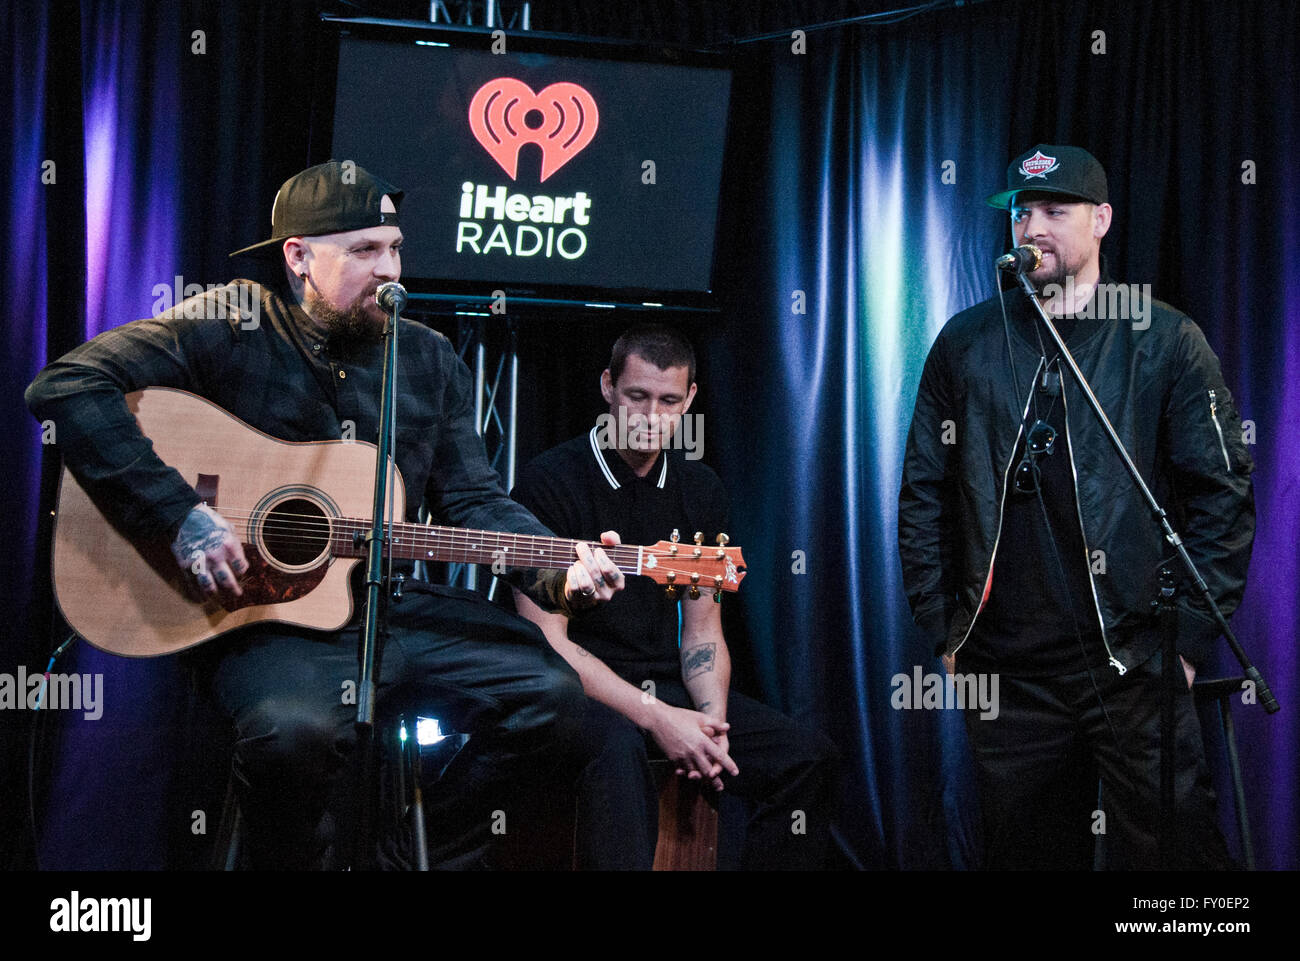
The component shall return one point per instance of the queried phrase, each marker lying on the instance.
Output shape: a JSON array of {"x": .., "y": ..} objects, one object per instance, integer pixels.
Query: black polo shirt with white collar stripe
[{"x": 578, "y": 490}]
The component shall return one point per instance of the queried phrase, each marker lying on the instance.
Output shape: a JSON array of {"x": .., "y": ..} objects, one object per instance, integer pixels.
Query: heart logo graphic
[{"x": 497, "y": 116}]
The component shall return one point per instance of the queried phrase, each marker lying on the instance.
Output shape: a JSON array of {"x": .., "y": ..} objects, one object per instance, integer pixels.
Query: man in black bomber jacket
[{"x": 1029, "y": 556}]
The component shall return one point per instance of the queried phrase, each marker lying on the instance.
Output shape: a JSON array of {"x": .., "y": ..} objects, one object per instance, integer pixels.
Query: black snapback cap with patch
[
  {"x": 329, "y": 198},
  {"x": 1054, "y": 169}
]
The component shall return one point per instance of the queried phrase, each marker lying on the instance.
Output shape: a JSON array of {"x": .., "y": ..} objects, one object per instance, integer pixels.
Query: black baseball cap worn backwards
[
  {"x": 1054, "y": 169},
  {"x": 330, "y": 198}
]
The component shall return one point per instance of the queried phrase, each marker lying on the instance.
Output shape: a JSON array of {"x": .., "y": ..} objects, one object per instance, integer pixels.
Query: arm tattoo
[
  {"x": 698, "y": 660},
  {"x": 703, "y": 707},
  {"x": 582, "y": 651}
]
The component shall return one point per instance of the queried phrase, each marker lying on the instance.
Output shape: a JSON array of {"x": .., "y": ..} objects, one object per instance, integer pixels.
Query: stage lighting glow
[{"x": 427, "y": 731}]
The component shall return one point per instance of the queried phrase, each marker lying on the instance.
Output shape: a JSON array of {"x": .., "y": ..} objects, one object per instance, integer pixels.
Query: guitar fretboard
[{"x": 463, "y": 546}]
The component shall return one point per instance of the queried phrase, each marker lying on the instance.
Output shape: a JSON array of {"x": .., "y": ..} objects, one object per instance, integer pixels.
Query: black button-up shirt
[{"x": 281, "y": 374}]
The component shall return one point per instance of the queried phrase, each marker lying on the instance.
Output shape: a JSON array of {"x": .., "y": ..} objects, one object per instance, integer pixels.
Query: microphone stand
[
  {"x": 1167, "y": 826},
  {"x": 375, "y": 540}
]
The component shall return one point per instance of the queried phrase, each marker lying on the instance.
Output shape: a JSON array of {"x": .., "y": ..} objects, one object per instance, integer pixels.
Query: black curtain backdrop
[{"x": 836, "y": 200}]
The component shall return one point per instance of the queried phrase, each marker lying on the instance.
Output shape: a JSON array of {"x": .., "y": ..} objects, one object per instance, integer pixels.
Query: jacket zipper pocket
[{"x": 1214, "y": 419}]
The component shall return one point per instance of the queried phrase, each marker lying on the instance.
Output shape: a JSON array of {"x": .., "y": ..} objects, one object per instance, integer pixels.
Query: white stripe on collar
[
  {"x": 604, "y": 468},
  {"x": 609, "y": 474}
]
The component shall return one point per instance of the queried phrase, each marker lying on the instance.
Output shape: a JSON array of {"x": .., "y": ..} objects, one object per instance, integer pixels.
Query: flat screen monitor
[{"x": 556, "y": 169}]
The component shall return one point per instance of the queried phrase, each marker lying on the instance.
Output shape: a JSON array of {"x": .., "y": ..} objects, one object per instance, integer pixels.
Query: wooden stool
[
  {"x": 688, "y": 823},
  {"x": 399, "y": 762}
]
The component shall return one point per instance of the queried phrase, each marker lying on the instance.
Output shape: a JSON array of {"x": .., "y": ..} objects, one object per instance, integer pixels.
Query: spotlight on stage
[{"x": 427, "y": 731}]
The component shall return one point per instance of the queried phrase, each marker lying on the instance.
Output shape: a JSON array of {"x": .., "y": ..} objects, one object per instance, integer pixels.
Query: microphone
[
  {"x": 1023, "y": 259},
  {"x": 391, "y": 295}
]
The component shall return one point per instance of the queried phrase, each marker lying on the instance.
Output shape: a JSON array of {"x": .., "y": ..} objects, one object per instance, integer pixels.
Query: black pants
[
  {"x": 291, "y": 696},
  {"x": 1039, "y": 761},
  {"x": 787, "y": 772}
]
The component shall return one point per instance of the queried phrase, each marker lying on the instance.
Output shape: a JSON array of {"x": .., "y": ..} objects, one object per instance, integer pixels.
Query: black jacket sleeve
[
  {"x": 1211, "y": 467},
  {"x": 925, "y": 501},
  {"x": 82, "y": 395}
]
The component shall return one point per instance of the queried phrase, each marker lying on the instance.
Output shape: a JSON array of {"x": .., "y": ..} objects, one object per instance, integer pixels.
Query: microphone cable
[
  {"x": 31, "y": 750},
  {"x": 1051, "y": 535}
]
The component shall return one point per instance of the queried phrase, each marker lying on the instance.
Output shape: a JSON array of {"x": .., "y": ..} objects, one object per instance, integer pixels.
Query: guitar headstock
[{"x": 694, "y": 567}]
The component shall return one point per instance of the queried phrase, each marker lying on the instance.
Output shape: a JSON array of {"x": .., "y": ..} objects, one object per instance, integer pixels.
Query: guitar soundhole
[{"x": 295, "y": 533}]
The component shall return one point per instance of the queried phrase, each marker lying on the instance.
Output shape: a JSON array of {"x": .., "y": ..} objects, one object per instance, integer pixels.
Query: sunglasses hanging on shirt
[{"x": 1041, "y": 441}]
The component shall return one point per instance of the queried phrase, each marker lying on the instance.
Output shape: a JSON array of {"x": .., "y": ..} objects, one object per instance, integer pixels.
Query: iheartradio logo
[{"x": 498, "y": 113}]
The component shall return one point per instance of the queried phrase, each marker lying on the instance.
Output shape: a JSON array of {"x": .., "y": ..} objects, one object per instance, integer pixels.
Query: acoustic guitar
[{"x": 301, "y": 511}]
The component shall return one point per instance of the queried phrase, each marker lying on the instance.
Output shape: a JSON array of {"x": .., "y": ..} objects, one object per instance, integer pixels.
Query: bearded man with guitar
[{"x": 305, "y": 367}]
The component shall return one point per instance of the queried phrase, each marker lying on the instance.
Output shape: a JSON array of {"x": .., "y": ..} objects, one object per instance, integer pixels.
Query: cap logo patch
[{"x": 1039, "y": 165}]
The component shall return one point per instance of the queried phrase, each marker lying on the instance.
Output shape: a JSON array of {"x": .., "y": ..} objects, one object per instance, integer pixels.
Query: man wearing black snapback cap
[
  {"x": 1029, "y": 556},
  {"x": 305, "y": 366}
]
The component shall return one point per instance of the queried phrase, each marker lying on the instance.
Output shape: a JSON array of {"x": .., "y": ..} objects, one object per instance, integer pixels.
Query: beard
[
  {"x": 352, "y": 324},
  {"x": 1056, "y": 274}
]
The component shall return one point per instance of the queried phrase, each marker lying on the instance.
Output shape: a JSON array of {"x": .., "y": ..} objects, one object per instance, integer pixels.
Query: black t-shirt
[
  {"x": 578, "y": 490},
  {"x": 1034, "y": 615}
]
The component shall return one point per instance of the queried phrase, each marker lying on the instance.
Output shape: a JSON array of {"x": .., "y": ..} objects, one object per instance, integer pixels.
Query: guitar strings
[
  {"x": 290, "y": 528},
  {"x": 307, "y": 529}
]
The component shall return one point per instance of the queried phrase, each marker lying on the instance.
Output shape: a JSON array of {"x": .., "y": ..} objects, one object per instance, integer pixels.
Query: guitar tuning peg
[
  {"x": 695, "y": 593},
  {"x": 723, "y": 540},
  {"x": 717, "y": 597},
  {"x": 699, "y": 537},
  {"x": 676, "y": 536},
  {"x": 671, "y": 591}
]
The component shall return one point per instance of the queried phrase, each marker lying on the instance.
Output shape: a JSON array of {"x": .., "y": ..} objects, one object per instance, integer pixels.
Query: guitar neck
[{"x": 421, "y": 542}]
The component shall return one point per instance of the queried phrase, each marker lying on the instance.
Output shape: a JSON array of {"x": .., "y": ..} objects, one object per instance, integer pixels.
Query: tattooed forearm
[{"x": 698, "y": 660}]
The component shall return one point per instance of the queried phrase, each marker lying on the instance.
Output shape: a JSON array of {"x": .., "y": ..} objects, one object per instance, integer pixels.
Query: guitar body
[
  {"x": 134, "y": 602},
  {"x": 301, "y": 512}
]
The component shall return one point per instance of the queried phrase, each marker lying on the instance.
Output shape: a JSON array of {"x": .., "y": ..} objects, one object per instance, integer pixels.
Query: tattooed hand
[
  {"x": 206, "y": 548},
  {"x": 593, "y": 577}
]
